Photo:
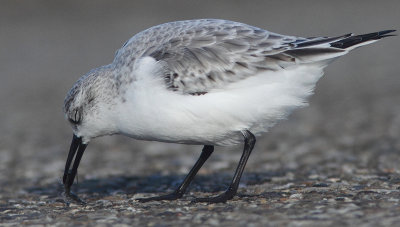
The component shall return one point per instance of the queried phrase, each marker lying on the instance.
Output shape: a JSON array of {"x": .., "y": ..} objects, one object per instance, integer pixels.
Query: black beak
[{"x": 69, "y": 174}]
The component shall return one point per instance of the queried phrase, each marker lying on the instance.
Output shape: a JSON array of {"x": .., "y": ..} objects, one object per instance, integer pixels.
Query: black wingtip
[
  {"x": 354, "y": 40},
  {"x": 385, "y": 33}
]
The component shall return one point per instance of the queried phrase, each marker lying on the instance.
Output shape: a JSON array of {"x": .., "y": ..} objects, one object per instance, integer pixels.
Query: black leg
[
  {"x": 178, "y": 193},
  {"x": 249, "y": 141}
]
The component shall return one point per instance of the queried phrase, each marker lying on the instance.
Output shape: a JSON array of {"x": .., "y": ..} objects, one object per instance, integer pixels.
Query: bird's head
[{"x": 88, "y": 106}]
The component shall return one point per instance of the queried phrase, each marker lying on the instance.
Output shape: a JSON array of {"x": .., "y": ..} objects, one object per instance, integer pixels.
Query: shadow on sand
[{"x": 156, "y": 183}]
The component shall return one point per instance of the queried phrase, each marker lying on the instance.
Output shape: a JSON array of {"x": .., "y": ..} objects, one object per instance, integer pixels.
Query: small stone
[
  {"x": 297, "y": 196},
  {"x": 313, "y": 177},
  {"x": 334, "y": 180},
  {"x": 320, "y": 185}
]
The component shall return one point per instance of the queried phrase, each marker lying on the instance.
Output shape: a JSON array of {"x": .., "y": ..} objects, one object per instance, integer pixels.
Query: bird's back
[{"x": 207, "y": 80}]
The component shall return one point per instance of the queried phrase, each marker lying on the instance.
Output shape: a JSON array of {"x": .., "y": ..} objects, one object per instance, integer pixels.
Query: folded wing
[{"x": 200, "y": 55}]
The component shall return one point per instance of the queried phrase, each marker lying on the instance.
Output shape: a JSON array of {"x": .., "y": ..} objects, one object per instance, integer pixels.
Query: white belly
[{"x": 216, "y": 118}]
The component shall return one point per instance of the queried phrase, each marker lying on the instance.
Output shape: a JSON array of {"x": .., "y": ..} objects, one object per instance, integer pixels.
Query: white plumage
[{"x": 216, "y": 118}]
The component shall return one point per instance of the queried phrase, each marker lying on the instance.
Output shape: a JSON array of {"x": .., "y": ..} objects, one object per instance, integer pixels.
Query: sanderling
[{"x": 208, "y": 82}]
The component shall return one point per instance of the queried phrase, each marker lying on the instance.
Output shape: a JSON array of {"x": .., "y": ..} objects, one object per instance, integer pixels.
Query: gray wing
[{"x": 197, "y": 56}]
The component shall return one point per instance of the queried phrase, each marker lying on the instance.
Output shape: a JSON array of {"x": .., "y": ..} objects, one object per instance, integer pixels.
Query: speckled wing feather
[{"x": 199, "y": 55}]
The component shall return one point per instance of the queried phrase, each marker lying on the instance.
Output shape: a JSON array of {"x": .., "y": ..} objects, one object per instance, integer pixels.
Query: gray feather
[{"x": 199, "y": 55}]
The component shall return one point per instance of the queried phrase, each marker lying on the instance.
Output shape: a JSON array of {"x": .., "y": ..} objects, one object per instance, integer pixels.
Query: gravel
[{"x": 334, "y": 163}]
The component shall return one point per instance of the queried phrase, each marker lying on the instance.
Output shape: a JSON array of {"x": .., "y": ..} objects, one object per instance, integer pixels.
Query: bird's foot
[{"x": 70, "y": 197}]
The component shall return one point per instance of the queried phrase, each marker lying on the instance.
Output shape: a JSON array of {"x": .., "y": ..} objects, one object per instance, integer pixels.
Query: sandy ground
[{"x": 333, "y": 163}]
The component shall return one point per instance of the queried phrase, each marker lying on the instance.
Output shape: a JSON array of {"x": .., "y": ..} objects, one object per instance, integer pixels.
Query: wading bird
[{"x": 209, "y": 82}]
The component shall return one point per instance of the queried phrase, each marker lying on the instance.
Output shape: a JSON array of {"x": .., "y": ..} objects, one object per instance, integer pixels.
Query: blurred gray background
[{"x": 353, "y": 120}]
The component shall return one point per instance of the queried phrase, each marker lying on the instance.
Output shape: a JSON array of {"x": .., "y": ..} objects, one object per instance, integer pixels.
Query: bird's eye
[{"x": 76, "y": 117}]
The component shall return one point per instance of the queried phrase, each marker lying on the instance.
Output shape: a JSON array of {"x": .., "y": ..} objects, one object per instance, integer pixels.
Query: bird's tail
[
  {"x": 360, "y": 40},
  {"x": 324, "y": 49}
]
